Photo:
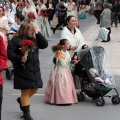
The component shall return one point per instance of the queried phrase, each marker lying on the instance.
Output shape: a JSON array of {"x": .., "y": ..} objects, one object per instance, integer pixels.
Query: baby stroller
[
  {"x": 96, "y": 59},
  {"x": 9, "y": 70}
]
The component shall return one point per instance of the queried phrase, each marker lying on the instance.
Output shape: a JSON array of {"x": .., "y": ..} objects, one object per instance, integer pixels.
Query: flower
[
  {"x": 26, "y": 46},
  {"x": 31, "y": 16},
  {"x": 56, "y": 48},
  {"x": 77, "y": 5}
]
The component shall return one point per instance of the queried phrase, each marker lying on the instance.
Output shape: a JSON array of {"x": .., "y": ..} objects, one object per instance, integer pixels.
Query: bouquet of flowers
[
  {"x": 43, "y": 12},
  {"x": 26, "y": 46},
  {"x": 57, "y": 50},
  {"x": 31, "y": 16}
]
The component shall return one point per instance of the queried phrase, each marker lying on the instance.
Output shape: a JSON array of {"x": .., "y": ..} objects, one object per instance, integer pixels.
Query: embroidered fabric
[{"x": 61, "y": 64}]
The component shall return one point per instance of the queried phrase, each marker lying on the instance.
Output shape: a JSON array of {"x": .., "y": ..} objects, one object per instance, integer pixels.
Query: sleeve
[
  {"x": 11, "y": 51},
  {"x": 3, "y": 55},
  {"x": 14, "y": 8},
  {"x": 81, "y": 42},
  {"x": 23, "y": 12},
  {"x": 42, "y": 42}
]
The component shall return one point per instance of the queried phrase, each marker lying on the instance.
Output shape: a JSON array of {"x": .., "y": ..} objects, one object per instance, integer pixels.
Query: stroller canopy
[{"x": 96, "y": 58}]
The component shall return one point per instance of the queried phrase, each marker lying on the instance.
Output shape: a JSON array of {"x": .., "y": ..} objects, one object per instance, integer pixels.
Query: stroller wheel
[
  {"x": 80, "y": 97},
  {"x": 115, "y": 100},
  {"x": 100, "y": 102},
  {"x": 8, "y": 74}
]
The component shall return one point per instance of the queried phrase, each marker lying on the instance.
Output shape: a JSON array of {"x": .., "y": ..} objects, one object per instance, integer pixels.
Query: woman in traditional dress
[
  {"x": 60, "y": 87},
  {"x": 72, "y": 10},
  {"x": 29, "y": 8},
  {"x": 3, "y": 19},
  {"x": 77, "y": 42},
  {"x": 43, "y": 19}
]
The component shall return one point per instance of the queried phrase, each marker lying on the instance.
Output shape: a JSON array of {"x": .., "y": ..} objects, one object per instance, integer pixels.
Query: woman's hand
[
  {"x": 23, "y": 59},
  {"x": 36, "y": 29}
]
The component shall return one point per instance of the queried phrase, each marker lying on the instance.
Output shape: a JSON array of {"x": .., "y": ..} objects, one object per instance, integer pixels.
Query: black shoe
[
  {"x": 104, "y": 41},
  {"x": 27, "y": 116},
  {"x": 19, "y": 101},
  {"x": 98, "y": 22},
  {"x": 26, "y": 113},
  {"x": 54, "y": 29}
]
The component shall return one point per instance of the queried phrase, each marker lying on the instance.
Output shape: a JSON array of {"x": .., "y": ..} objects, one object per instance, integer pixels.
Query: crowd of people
[{"x": 31, "y": 23}]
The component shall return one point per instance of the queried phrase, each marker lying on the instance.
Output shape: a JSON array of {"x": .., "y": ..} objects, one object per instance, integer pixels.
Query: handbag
[
  {"x": 54, "y": 21},
  {"x": 82, "y": 15},
  {"x": 103, "y": 33}
]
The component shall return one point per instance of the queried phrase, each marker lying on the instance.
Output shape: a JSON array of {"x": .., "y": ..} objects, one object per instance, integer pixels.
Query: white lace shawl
[
  {"x": 62, "y": 63},
  {"x": 74, "y": 39}
]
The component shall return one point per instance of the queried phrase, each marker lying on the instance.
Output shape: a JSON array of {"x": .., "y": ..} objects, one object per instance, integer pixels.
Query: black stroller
[{"x": 95, "y": 87}]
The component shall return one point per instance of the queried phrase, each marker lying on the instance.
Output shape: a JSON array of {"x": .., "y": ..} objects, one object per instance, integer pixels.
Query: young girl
[{"x": 60, "y": 87}]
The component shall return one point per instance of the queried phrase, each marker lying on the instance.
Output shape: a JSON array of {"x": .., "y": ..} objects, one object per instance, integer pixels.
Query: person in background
[
  {"x": 12, "y": 7},
  {"x": 15, "y": 2},
  {"x": 50, "y": 4},
  {"x": 19, "y": 8},
  {"x": 61, "y": 15},
  {"x": 3, "y": 60},
  {"x": 18, "y": 21},
  {"x": 22, "y": 3},
  {"x": 9, "y": 13},
  {"x": 3, "y": 19},
  {"x": 42, "y": 19},
  {"x": 105, "y": 20},
  {"x": 98, "y": 10},
  {"x": 115, "y": 12},
  {"x": 60, "y": 88},
  {"x": 27, "y": 78},
  {"x": 72, "y": 9}
]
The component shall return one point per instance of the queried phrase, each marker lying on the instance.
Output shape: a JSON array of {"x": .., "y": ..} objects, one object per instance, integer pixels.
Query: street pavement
[{"x": 86, "y": 110}]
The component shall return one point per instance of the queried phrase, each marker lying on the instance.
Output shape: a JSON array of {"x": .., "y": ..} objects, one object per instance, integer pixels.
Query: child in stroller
[
  {"x": 97, "y": 79},
  {"x": 94, "y": 74}
]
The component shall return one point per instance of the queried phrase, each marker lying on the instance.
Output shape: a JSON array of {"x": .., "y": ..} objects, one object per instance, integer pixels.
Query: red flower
[
  {"x": 27, "y": 44},
  {"x": 76, "y": 5},
  {"x": 31, "y": 15}
]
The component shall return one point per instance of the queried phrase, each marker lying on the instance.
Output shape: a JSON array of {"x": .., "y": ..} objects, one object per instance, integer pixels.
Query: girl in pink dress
[{"x": 60, "y": 87}]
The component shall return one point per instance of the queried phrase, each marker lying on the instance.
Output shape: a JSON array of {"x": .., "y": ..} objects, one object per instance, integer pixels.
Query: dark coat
[{"x": 30, "y": 77}]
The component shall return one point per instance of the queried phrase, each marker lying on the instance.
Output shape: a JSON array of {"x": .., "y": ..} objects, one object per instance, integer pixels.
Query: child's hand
[
  {"x": 73, "y": 47},
  {"x": 56, "y": 56},
  {"x": 76, "y": 62}
]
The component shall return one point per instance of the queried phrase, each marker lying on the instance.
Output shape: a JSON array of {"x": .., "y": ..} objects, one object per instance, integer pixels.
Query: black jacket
[{"x": 30, "y": 77}]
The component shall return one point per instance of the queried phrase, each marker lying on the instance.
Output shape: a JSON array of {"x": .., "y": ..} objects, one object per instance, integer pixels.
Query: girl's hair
[
  {"x": 41, "y": 1},
  {"x": 20, "y": 16},
  {"x": 23, "y": 30},
  {"x": 3, "y": 10},
  {"x": 62, "y": 42},
  {"x": 69, "y": 18},
  {"x": 7, "y": 2}
]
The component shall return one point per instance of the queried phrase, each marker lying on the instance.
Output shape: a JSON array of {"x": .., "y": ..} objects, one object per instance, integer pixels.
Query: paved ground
[{"x": 82, "y": 111}]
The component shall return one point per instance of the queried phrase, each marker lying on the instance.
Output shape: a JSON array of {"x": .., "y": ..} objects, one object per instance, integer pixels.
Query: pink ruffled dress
[{"x": 60, "y": 86}]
